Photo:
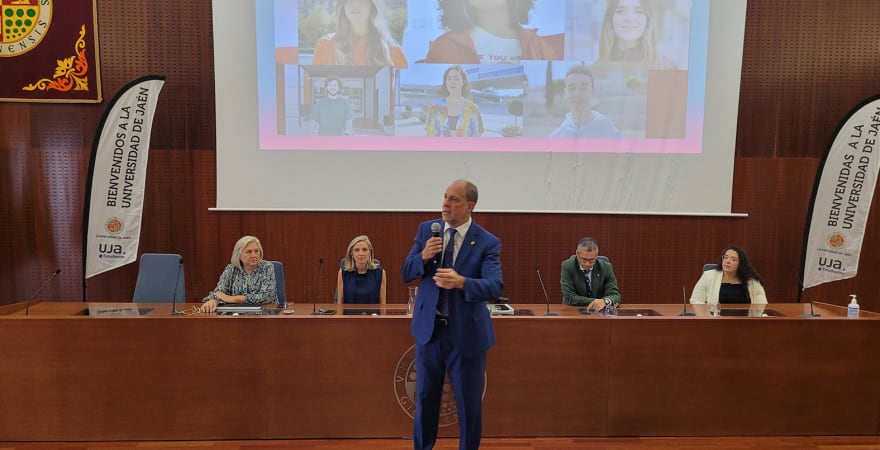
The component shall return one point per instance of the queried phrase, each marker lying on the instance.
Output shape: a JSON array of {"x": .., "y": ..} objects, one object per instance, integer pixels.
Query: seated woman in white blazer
[{"x": 732, "y": 281}]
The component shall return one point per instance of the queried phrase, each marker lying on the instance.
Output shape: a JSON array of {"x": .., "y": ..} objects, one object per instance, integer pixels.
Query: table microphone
[
  {"x": 174, "y": 311},
  {"x": 684, "y": 304},
  {"x": 27, "y": 310},
  {"x": 811, "y": 314},
  {"x": 435, "y": 232},
  {"x": 546, "y": 298},
  {"x": 804, "y": 291},
  {"x": 315, "y": 312}
]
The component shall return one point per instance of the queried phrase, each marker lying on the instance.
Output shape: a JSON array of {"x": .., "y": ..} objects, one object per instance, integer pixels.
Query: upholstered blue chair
[
  {"x": 280, "y": 289},
  {"x": 160, "y": 278}
]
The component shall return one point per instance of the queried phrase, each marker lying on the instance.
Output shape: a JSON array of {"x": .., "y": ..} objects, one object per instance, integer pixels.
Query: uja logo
[
  {"x": 23, "y": 24},
  {"x": 111, "y": 251},
  {"x": 405, "y": 389},
  {"x": 830, "y": 263}
]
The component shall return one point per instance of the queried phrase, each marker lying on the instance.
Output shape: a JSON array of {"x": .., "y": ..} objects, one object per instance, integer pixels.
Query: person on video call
[
  {"x": 582, "y": 121},
  {"x": 732, "y": 281},
  {"x": 332, "y": 115},
  {"x": 587, "y": 280},
  {"x": 247, "y": 279},
  {"x": 460, "y": 271},
  {"x": 629, "y": 33},
  {"x": 360, "y": 279},
  {"x": 487, "y": 32},
  {"x": 456, "y": 114},
  {"x": 362, "y": 38}
]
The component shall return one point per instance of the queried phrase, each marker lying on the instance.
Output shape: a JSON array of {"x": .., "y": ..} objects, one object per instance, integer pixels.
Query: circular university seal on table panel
[{"x": 405, "y": 389}]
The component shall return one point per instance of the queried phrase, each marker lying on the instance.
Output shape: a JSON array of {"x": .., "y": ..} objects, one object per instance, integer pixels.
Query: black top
[{"x": 734, "y": 293}]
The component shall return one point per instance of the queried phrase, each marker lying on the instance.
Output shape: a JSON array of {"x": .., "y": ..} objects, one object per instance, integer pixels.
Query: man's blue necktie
[
  {"x": 589, "y": 284},
  {"x": 448, "y": 256}
]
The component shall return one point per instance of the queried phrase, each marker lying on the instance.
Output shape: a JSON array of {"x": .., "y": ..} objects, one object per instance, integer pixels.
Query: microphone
[
  {"x": 316, "y": 312},
  {"x": 684, "y": 304},
  {"x": 546, "y": 298},
  {"x": 811, "y": 313},
  {"x": 804, "y": 291},
  {"x": 174, "y": 311},
  {"x": 435, "y": 231},
  {"x": 27, "y": 310}
]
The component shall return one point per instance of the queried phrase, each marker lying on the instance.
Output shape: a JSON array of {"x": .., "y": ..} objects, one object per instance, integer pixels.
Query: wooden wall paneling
[
  {"x": 775, "y": 194},
  {"x": 123, "y": 30},
  {"x": 184, "y": 53},
  {"x": 653, "y": 255},
  {"x": 846, "y": 64},
  {"x": 16, "y": 219},
  {"x": 798, "y": 76},
  {"x": 759, "y": 84},
  {"x": 805, "y": 64}
]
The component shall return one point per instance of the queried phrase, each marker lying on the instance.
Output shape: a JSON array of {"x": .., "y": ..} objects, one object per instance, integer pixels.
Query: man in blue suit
[{"x": 460, "y": 270}]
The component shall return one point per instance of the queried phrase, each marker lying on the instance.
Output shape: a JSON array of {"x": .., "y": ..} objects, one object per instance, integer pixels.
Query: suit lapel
[{"x": 470, "y": 241}]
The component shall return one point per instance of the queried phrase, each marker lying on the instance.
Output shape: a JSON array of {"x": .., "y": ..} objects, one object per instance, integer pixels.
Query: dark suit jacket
[
  {"x": 574, "y": 287},
  {"x": 479, "y": 261}
]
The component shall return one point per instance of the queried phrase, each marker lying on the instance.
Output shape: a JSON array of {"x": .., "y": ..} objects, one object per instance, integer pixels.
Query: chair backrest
[
  {"x": 160, "y": 278},
  {"x": 709, "y": 266},
  {"x": 280, "y": 289}
]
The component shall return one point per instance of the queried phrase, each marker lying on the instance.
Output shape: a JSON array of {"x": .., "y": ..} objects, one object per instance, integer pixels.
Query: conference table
[{"x": 74, "y": 371}]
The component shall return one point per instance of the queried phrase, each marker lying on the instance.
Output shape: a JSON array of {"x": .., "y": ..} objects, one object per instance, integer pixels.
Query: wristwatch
[{"x": 608, "y": 302}]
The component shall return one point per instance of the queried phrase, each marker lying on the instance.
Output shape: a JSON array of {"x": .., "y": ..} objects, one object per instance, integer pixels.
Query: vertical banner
[
  {"x": 49, "y": 51},
  {"x": 842, "y": 196},
  {"x": 117, "y": 177}
]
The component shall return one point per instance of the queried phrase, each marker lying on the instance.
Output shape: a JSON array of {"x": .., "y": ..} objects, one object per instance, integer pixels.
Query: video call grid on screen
[
  {"x": 654, "y": 101},
  {"x": 643, "y": 96}
]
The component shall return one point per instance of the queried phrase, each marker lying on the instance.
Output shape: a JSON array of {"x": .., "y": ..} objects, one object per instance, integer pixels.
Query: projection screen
[{"x": 563, "y": 115}]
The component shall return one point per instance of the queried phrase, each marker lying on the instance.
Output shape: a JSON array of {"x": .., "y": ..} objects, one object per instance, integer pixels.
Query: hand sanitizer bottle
[{"x": 852, "y": 310}]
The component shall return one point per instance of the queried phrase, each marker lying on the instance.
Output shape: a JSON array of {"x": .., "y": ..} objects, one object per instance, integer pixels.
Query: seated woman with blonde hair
[
  {"x": 360, "y": 279},
  {"x": 732, "y": 281},
  {"x": 248, "y": 278}
]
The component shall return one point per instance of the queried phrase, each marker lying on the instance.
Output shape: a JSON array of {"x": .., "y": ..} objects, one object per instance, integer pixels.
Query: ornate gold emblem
[{"x": 70, "y": 73}]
